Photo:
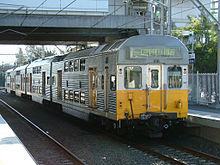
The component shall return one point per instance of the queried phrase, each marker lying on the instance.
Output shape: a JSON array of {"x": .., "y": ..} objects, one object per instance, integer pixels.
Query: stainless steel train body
[{"x": 142, "y": 80}]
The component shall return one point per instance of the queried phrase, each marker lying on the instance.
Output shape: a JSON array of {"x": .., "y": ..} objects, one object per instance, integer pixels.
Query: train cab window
[
  {"x": 174, "y": 77},
  {"x": 66, "y": 94},
  {"x": 76, "y": 96},
  {"x": 76, "y": 65},
  {"x": 154, "y": 78},
  {"x": 113, "y": 83},
  {"x": 70, "y": 66},
  {"x": 82, "y": 97},
  {"x": 133, "y": 77},
  {"x": 71, "y": 95},
  {"x": 82, "y": 64},
  {"x": 66, "y": 66}
]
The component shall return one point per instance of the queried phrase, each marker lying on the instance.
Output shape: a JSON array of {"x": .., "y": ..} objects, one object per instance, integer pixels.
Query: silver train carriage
[{"x": 141, "y": 81}]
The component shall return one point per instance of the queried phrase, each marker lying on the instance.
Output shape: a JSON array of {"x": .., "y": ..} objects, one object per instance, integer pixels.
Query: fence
[{"x": 203, "y": 88}]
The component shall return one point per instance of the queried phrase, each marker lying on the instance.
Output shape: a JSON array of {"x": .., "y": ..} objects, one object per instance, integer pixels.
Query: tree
[
  {"x": 3, "y": 69},
  {"x": 36, "y": 52},
  {"x": 205, "y": 44},
  {"x": 20, "y": 58}
]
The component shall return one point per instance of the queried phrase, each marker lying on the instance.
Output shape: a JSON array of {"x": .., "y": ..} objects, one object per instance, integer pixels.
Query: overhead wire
[
  {"x": 104, "y": 17},
  {"x": 49, "y": 19},
  {"x": 180, "y": 3},
  {"x": 32, "y": 12}
]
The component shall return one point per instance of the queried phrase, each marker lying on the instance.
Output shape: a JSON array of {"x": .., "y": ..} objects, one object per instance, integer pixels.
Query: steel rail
[
  {"x": 143, "y": 149},
  {"x": 72, "y": 156},
  {"x": 191, "y": 151}
]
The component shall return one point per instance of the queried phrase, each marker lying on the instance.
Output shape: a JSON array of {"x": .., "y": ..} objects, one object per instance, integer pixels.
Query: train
[{"x": 140, "y": 82}]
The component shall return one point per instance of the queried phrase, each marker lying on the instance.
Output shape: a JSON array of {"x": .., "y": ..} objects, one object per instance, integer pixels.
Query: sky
[
  {"x": 14, "y": 49},
  {"x": 82, "y": 5},
  {"x": 9, "y": 49}
]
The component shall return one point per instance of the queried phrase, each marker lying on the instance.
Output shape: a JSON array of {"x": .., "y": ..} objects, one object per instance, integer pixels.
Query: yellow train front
[{"x": 152, "y": 83}]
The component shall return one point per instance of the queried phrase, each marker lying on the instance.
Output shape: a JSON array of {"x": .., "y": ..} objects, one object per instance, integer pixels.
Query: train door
[
  {"x": 106, "y": 75},
  {"x": 154, "y": 88},
  {"x": 93, "y": 87},
  {"x": 43, "y": 83},
  {"x": 59, "y": 85},
  {"x": 30, "y": 82}
]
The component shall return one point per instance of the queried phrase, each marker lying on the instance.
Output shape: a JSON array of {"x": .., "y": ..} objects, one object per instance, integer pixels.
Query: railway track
[
  {"x": 167, "y": 152},
  {"x": 65, "y": 157}
]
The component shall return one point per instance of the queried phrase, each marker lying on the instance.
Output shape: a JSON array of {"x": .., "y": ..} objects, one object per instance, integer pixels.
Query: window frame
[
  {"x": 76, "y": 65},
  {"x": 157, "y": 78},
  {"x": 66, "y": 66},
  {"x": 125, "y": 78},
  {"x": 168, "y": 80}
]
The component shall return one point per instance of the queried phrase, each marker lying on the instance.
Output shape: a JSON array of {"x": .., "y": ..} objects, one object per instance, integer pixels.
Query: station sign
[
  {"x": 143, "y": 52},
  {"x": 192, "y": 58}
]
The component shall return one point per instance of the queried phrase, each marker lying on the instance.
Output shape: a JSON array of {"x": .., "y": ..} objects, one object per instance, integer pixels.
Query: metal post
[
  {"x": 169, "y": 18},
  {"x": 162, "y": 19},
  {"x": 192, "y": 63},
  {"x": 152, "y": 20},
  {"x": 197, "y": 87},
  {"x": 218, "y": 58}
]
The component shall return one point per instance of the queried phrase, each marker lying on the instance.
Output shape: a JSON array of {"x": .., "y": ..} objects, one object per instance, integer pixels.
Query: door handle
[
  {"x": 165, "y": 95},
  {"x": 147, "y": 97}
]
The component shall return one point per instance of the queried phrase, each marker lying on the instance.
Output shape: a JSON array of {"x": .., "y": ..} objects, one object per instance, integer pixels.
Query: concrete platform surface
[
  {"x": 205, "y": 116},
  {"x": 12, "y": 151}
]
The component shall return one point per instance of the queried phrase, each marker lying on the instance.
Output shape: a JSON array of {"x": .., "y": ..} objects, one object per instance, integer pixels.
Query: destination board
[{"x": 154, "y": 52}]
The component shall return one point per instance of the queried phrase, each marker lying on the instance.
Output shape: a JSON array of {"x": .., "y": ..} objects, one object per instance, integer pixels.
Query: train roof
[
  {"x": 81, "y": 53},
  {"x": 10, "y": 70},
  {"x": 21, "y": 67},
  {"x": 46, "y": 60},
  {"x": 134, "y": 41}
]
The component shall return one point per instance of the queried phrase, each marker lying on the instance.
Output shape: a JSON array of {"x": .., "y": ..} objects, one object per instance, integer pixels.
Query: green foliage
[
  {"x": 205, "y": 46},
  {"x": 3, "y": 69},
  {"x": 36, "y": 52}
]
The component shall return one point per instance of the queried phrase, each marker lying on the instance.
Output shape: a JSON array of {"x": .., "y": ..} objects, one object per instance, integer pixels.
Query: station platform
[
  {"x": 12, "y": 151},
  {"x": 203, "y": 115},
  {"x": 204, "y": 122}
]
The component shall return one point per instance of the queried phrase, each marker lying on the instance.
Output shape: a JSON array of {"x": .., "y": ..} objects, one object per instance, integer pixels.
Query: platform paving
[{"x": 12, "y": 151}]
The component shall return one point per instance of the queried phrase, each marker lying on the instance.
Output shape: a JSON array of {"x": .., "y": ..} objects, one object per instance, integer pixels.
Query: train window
[
  {"x": 70, "y": 66},
  {"x": 113, "y": 83},
  {"x": 18, "y": 73},
  {"x": 133, "y": 77},
  {"x": 67, "y": 83},
  {"x": 103, "y": 81},
  {"x": 66, "y": 94},
  {"x": 66, "y": 66},
  {"x": 48, "y": 80},
  {"x": 76, "y": 96},
  {"x": 82, "y": 97},
  {"x": 40, "y": 90},
  {"x": 71, "y": 95},
  {"x": 82, "y": 64},
  {"x": 36, "y": 70},
  {"x": 174, "y": 77},
  {"x": 53, "y": 80},
  {"x": 76, "y": 65},
  {"x": 154, "y": 79}
]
